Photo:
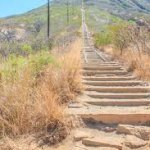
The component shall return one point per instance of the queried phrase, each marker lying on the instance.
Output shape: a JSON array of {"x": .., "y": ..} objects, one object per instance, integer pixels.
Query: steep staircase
[{"x": 113, "y": 97}]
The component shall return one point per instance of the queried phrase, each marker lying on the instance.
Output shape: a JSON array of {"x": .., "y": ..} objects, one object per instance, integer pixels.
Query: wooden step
[
  {"x": 102, "y": 68},
  {"x": 115, "y": 78},
  {"x": 118, "y": 95},
  {"x": 107, "y": 72},
  {"x": 129, "y": 89},
  {"x": 103, "y": 63},
  {"x": 113, "y": 115},
  {"x": 113, "y": 83},
  {"x": 118, "y": 102}
]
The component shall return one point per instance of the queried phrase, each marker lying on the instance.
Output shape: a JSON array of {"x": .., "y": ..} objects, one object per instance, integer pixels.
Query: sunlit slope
[
  {"x": 100, "y": 13},
  {"x": 38, "y": 16}
]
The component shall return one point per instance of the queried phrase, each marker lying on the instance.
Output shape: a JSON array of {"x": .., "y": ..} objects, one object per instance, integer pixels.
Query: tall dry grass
[
  {"x": 30, "y": 106},
  {"x": 139, "y": 65}
]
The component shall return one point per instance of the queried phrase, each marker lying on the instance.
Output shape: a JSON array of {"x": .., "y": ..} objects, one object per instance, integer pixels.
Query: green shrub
[
  {"x": 12, "y": 65},
  {"x": 102, "y": 39},
  {"x": 40, "y": 60},
  {"x": 26, "y": 49},
  {"x": 120, "y": 38}
]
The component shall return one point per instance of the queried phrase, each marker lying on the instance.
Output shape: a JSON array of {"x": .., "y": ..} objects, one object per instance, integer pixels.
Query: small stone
[
  {"x": 79, "y": 135},
  {"x": 138, "y": 131},
  {"x": 109, "y": 129},
  {"x": 134, "y": 142},
  {"x": 75, "y": 105}
]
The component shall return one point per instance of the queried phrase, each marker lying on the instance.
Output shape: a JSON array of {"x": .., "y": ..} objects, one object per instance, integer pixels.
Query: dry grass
[
  {"x": 33, "y": 106},
  {"x": 139, "y": 65}
]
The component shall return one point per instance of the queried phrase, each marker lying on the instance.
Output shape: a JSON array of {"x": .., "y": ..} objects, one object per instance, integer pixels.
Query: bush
[
  {"x": 12, "y": 66},
  {"x": 102, "y": 39},
  {"x": 26, "y": 49},
  {"x": 39, "y": 61},
  {"x": 119, "y": 35}
]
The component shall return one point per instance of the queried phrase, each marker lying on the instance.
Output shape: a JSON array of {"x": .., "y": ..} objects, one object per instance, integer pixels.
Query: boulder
[
  {"x": 141, "y": 148},
  {"x": 103, "y": 142},
  {"x": 142, "y": 132},
  {"x": 79, "y": 135},
  {"x": 134, "y": 142}
]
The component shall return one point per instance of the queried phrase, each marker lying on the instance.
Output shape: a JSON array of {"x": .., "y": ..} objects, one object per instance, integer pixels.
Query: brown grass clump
[
  {"x": 32, "y": 105},
  {"x": 71, "y": 62},
  {"x": 139, "y": 65}
]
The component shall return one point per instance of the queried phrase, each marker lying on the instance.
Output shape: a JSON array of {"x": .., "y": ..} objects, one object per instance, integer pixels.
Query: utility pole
[
  {"x": 73, "y": 8},
  {"x": 48, "y": 19},
  {"x": 67, "y": 12}
]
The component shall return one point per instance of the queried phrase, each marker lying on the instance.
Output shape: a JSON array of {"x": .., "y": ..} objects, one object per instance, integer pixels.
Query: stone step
[
  {"x": 102, "y": 68},
  {"x": 115, "y": 78},
  {"x": 113, "y": 83},
  {"x": 129, "y": 89},
  {"x": 118, "y": 102},
  {"x": 107, "y": 72},
  {"x": 102, "y": 141},
  {"x": 118, "y": 95},
  {"x": 94, "y": 139},
  {"x": 113, "y": 114}
]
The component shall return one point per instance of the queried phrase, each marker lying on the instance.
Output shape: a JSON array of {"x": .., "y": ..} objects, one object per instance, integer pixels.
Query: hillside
[
  {"x": 35, "y": 21},
  {"x": 102, "y": 12},
  {"x": 86, "y": 87},
  {"x": 123, "y": 6},
  {"x": 99, "y": 12}
]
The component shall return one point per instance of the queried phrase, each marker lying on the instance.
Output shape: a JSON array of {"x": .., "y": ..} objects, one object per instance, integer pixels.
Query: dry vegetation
[
  {"x": 33, "y": 104},
  {"x": 131, "y": 43},
  {"x": 140, "y": 66}
]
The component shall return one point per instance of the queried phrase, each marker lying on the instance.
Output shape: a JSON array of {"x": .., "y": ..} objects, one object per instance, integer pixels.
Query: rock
[
  {"x": 134, "y": 142},
  {"x": 107, "y": 148},
  {"x": 79, "y": 135},
  {"x": 75, "y": 105},
  {"x": 109, "y": 129},
  {"x": 94, "y": 148},
  {"x": 138, "y": 131},
  {"x": 141, "y": 148},
  {"x": 103, "y": 142},
  {"x": 80, "y": 146}
]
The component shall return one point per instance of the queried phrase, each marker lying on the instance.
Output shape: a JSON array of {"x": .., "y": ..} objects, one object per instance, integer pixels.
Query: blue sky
[{"x": 12, "y": 7}]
